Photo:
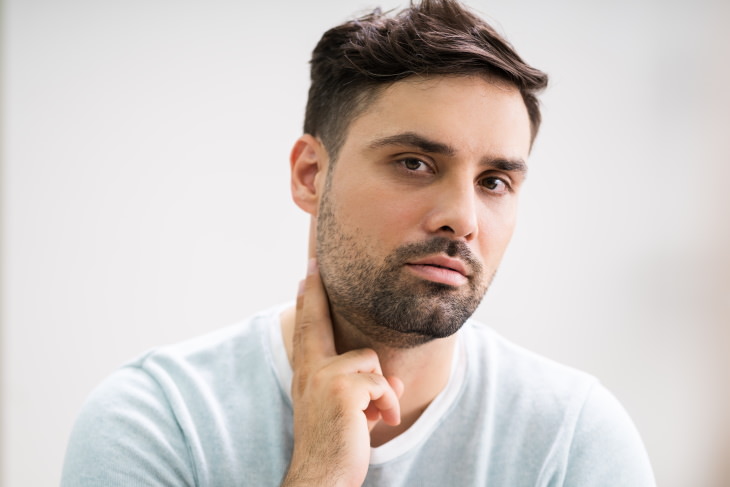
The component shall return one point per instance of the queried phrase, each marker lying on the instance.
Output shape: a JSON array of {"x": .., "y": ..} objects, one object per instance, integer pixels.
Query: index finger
[{"x": 313, "y": 336}]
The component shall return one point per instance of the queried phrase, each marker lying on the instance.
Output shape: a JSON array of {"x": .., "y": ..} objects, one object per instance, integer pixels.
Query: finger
[
  {"x": 313, "y": 337},
  {"x": 389, "y": 407},
  {"x": 396, "y": 384},
  {"x": 373, "y": 414},
  {"x": 360, "y": 360},
  {"x": 381, "y": 400}
]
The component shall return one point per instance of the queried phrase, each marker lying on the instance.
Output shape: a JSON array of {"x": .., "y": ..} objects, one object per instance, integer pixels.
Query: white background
[{"x": 145, "y": 200}]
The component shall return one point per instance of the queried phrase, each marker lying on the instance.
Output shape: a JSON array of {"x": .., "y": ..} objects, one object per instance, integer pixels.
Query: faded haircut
[{"x": 354, "y": 61}]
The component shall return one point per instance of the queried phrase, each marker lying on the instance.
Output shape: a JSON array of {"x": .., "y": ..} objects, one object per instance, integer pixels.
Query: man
[{"x": 417, "y": 134}]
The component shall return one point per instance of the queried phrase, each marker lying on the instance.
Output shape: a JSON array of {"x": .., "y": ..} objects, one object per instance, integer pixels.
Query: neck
[{"x": 424, "y": 369}]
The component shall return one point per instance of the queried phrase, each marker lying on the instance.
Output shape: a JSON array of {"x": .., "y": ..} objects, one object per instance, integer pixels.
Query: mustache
[{"x": 437, "y": 245}]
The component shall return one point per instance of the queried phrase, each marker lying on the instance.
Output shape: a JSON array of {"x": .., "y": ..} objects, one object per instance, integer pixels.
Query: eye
[
  {"x": 415, "y": 165},
  {"x": 495, "y": 185}
]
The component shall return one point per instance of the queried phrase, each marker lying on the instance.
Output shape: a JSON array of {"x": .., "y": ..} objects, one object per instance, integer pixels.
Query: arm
[{"x": 337, "y": 399}]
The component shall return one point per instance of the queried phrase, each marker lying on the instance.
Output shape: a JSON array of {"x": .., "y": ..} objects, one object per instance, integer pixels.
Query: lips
[{"x": 440, "y": 269}]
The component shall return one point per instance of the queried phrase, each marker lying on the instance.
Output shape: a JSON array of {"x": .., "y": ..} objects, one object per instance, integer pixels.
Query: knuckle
[
  {"x": 375, "y": 380},
  {"x": 367, "y": 355},
  {"x": 339, "y": 385},
  {"x": 317, "y": 380}
]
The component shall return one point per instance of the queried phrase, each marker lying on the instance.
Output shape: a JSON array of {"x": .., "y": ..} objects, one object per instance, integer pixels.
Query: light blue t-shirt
[{"x": 216, "y": 411}]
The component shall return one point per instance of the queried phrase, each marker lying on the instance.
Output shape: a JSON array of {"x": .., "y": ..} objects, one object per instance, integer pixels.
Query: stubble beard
[{"x": 381, "y": 299}]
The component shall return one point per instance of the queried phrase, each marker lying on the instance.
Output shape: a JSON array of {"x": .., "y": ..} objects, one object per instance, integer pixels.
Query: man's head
[
  {"x": 431, "y": 117},
  {"x": 354, "y": 61}
]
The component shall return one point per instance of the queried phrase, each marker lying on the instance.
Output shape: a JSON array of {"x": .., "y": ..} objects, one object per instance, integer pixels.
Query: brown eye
[
  {"x": 413, "y": 164},
  {"x": 495, "y": 185}
]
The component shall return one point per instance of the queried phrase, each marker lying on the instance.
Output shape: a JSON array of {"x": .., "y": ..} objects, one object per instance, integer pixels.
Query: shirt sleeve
[
  {"x": 607, "y": 450},
  {"x": 127, "y": 435}
]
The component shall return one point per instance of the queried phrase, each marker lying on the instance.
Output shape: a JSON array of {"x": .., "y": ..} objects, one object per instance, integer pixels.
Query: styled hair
[{"x": 354, "y": 61}]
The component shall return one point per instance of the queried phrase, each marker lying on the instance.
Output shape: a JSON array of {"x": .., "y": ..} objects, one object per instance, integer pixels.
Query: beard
[{"x": 384, "y": 301}]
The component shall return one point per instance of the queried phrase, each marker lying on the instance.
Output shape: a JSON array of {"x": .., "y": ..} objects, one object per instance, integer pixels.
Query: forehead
[{"x": 472, "y": 114}]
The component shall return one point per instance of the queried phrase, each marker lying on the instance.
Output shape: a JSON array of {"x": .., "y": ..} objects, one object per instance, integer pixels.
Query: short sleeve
[
  {"x": 127, "y": 435},
  {"x": 607, "y": 450}
]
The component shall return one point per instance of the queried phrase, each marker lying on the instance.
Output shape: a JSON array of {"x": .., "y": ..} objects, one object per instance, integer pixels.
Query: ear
[{"x": 308, "y": 161}]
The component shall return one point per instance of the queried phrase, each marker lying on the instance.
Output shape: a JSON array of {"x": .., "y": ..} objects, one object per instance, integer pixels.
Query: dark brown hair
[{"x": 354, "y": 61}]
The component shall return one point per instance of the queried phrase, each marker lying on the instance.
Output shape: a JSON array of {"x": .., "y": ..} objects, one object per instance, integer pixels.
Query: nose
[{"x": 453, "y": 211}]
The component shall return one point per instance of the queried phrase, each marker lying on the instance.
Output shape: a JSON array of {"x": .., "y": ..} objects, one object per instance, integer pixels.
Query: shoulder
[
  {"x": 519, "y": 374},
  {"x": 238, "y": 341},
  {"x": 144, "y": 420},
  {"x": 563, "y": 419},
  {"x": 126, "y": 432},
  {"x": 199, "y": 366},
  {"x": 606, "y": 448},
  {"x": 527, "y": 393}
]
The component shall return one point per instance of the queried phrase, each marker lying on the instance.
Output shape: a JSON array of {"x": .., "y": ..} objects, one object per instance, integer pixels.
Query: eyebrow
[
  {"x": 506, "y": 165},
  {"x": 425, "y": 144},
  {"x": 412, "y": 139}
]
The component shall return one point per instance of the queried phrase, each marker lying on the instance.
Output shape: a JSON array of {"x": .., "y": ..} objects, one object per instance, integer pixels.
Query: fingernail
[
  {"x": 312, "y": 266},
  {"x": 300, "y": 291}
]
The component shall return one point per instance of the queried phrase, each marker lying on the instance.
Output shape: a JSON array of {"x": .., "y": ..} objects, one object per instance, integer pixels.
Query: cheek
[
  {"x": 495, "y": 233},
  {"x": 377, "y": 215}
]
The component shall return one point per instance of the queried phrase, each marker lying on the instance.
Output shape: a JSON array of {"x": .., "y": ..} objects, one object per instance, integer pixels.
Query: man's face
[{"x": 420, "y": 205}]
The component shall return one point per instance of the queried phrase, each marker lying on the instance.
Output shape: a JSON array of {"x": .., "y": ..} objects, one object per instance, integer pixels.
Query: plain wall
[{"x": 145, "y": 200}]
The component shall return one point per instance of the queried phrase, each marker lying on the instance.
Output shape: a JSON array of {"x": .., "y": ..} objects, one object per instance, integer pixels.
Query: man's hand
[{"x": 337, "y": 399}]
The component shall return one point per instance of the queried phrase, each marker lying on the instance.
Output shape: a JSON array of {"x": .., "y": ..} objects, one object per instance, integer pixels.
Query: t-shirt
[{"x": 217, "y": 411}]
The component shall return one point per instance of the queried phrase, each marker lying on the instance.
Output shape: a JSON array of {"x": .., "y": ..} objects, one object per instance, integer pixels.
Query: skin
[{"x": 456, "y": 174}]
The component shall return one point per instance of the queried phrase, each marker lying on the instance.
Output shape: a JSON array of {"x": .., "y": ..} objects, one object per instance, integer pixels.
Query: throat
[
  {"x": 424, "y": 370},
  {"x": 383, "y": 433}
]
